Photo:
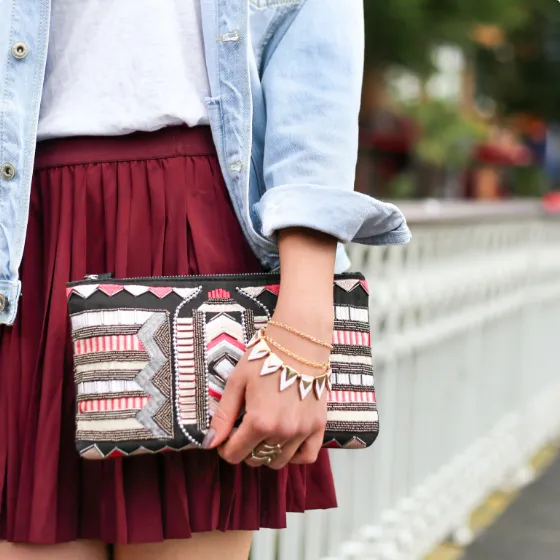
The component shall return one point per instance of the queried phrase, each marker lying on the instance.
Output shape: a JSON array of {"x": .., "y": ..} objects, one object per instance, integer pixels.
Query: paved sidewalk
[{"x": 529, "y": 529}]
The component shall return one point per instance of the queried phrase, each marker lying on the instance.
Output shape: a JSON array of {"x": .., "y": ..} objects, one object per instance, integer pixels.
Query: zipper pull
[{"x": 105, "y": 276}]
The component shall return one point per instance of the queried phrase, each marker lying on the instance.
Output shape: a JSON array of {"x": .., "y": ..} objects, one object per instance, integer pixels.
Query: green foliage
[
  {"x": 402, "y": 187},
  {"x": 403, "y": 32},
  {"x": 395, "y": 34},
  {"x": 446, "y": 137},
  {"x": 529, "y": 181},
  {"x": 524, "y": 76}
]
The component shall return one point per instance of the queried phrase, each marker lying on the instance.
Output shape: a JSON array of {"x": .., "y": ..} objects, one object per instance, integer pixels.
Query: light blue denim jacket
[{"x": 285, "y": 78}]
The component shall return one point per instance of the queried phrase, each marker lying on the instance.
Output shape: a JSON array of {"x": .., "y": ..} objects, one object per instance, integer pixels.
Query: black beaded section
[
  {"x": 121, "y": 375},
  {"x": 249, "y": 324},
  {"x": 105, "y": 330},
  {"x": 115, "y": 435},
  {"x": 98, "y": 396},
  {"x": 359, "y": 326},
  {"x": 354, "y": 407},
  {"x": 349, "y": 427},
  {"x": 352, "y": 350},
  {"x": 351, "y": 369}
]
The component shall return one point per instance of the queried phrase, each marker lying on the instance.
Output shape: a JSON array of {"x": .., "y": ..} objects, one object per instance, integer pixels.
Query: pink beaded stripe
[
  {"x": 351, "y": 338},
  {"x": 116, "y": 343},
  {"x": 107, "y": 405},
  {"x": 351, "y": 397}
]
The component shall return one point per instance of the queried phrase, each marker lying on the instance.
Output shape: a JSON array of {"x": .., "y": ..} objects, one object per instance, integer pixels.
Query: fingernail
[{"x": 209, "y": 439}]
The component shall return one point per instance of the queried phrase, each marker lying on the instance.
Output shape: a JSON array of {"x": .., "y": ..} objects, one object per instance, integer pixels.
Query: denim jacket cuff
[
  {"x": 10, "y": 292},
  {"x": 347, "y": 215}
]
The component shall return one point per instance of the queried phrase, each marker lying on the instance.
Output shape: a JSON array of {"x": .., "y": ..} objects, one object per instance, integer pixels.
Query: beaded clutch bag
[{"x": 152, "y": 357}]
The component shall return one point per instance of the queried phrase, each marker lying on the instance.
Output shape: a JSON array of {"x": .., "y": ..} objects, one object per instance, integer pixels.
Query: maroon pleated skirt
[{"x": 138, "y": 205}]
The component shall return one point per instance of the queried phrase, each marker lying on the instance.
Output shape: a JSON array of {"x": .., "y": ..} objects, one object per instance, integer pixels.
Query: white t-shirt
[{"x": 118, "y": 66}]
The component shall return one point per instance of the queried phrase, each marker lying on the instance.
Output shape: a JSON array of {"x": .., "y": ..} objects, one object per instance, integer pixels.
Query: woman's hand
[{"x": 271, "y": 416}]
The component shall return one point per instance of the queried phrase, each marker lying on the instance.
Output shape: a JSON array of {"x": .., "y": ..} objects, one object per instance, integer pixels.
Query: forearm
[{"x": 307, "y": 260}]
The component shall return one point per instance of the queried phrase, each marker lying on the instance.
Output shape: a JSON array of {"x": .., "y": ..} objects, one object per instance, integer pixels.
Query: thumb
[{"x": 226, "y": 414}]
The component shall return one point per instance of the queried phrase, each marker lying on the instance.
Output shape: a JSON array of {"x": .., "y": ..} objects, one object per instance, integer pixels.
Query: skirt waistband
[{"x": 176, "y": 141}]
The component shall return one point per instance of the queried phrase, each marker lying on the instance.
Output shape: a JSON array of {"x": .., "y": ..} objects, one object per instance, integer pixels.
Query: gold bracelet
[
  {"x": 315, "y": 365},
  {"x": 260, "y": 350},
  {"x": 300, "y": 334}
]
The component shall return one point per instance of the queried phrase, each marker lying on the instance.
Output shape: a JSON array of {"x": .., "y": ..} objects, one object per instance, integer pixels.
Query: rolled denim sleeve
[{"x": 312, "y": 87}]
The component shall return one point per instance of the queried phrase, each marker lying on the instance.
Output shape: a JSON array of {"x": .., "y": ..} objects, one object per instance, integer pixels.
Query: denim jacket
[{"x": 285, "y": 79}]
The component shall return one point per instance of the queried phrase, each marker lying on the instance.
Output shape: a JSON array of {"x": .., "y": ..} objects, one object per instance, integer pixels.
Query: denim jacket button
[
  {"x": 3, "y": 303},
  {"x": 20, "y": 50},
  {"x": 231, "y": 37},
  {"x": 236, "y": 167},
  {"x": 8, "y": 171}
]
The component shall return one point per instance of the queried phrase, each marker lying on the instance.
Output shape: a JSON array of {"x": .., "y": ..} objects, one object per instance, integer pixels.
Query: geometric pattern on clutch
[
  {"x": 140, "y": 390},
  {"x": 123, "y": 381},
  {"x": 221, "y": 328}
]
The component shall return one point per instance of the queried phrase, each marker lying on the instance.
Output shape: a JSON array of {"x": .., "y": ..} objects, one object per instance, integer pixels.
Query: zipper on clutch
[{"x": 109, "y": 277}]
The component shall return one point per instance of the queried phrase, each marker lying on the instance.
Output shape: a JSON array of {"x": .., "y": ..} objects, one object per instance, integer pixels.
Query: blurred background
[
  {"x": 461, "y": 99},
  {"x": 460, "y": 126}
]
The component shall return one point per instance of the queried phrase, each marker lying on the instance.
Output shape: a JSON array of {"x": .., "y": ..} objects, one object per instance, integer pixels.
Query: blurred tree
[
  {"x": 523, "y": 75},
  {"x": 394, "y": 34},
  {"x": 448, "y": 137},
  {"x": 403, "y": 32},
  {"x": 444, "y": 148}
]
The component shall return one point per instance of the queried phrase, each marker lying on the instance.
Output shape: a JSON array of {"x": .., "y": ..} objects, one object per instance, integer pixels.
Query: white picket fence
[{"x": 466, "y": 341}]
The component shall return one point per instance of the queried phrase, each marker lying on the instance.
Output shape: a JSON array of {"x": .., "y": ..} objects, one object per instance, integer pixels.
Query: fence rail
[{"x": 465, "y": 333}]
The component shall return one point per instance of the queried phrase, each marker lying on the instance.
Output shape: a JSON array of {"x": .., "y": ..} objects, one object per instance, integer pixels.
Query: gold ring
[
  {"x": 265, "y": 453},
  {"x": 263, "y": 460},
  {"x": 265, "y": 449}
]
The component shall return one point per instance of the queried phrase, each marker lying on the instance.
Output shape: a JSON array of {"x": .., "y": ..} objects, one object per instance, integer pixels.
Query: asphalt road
[{"x": 529, "y": 529}]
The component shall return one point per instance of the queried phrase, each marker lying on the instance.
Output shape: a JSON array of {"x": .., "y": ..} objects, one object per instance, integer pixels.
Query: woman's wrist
[
  {"x": 305, "y": 301},
  {"x": 315, "y": 321},
  {"x": 299, "y": 353},
  {"x": 314, "y": 316}
]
